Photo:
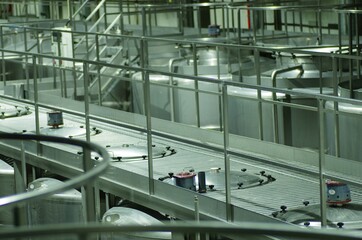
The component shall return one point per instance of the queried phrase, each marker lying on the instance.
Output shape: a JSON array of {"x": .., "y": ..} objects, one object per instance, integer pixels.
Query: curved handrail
[
  {"x": 69, "y": 184},
  {"x": 221, "y": 228}
]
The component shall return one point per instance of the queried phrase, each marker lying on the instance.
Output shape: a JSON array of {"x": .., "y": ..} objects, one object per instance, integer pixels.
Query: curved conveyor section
[{"x": 88, "y": 175}]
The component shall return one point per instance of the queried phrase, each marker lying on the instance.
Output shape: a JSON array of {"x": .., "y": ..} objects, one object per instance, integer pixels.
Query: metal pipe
[
  {"x": 171, "y": 62},
  {"x": 274, "y": 75},
  {"x": 320, "y": 34},
  {"x": 95, "y": 10},
  {"x": 80, "y": 8},
  {"x": 107, "y": 200}
]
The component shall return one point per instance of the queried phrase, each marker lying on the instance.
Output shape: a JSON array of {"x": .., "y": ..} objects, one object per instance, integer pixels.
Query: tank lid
[
  {"x": 131, "y": 152},
  {"x": 8, "y": 111}
]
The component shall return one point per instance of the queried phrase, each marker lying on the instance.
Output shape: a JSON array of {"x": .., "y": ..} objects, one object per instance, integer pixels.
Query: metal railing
[
  {"x": 179, "y": 230},
  {"x": 86, "y": 179},
  {"x": 222, "y": 95}
]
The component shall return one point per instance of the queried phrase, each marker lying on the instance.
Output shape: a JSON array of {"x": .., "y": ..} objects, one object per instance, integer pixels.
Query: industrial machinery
[
  {"x": 60, "y": 208},
  {"x": 149, "y": 81}
]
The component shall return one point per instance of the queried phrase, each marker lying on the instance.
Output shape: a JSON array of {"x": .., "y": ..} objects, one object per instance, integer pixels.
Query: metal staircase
[{"x": 105, "y": 85}]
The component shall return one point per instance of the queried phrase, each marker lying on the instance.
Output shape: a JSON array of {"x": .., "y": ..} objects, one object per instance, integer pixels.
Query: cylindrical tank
[
  {"x": 244, "y": 115},
  {"x": 179, "y": 103},
  {"x": 63, "y": 207},
  {"x": 160, "y": 95},
  {"x": 300, "y": 126},
  {"x": 121, "y": 216},
  {"x": 349, "y": 125},
  {"x": 7, "y": 188}
]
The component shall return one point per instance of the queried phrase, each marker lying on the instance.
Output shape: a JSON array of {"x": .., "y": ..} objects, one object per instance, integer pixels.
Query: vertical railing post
[
  {"x": 36, "y": 106},
  {"x": 144, "y": 22},
  {"x": 20, "y": 212},
  {"x": 239, "y": 25},
  {"x": 150, "y": 21},
  {"x": 197, "y": 95},
  {"x": 336, "y": 116},
  {"x": 121, "y": 21},
  {"x": 286, "y": 22},
  {"x": 218, "y": 78},
  {"x": 26, "y": 63},
  {"x": 225, "y": 113},
  {"x": 3, "y": 56},
  {"x": 259, "y": 96},
  {"x": 322, "y": 185},
  {"x": 147, "y": 105},
  {"x": 88, "y": 164},
  {"x": 197, "y": 215},
  {"x": 320, "y": 33},
  {"x": 86, "y": 99},
  {"x": 98, "y": 72},
  {"x": 147, "y": 98},
  {"x": 198, "y": 20},
  {"x": 105, "y": 15}
]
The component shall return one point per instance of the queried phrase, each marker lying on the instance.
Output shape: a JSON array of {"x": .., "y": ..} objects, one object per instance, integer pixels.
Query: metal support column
[
  {"x": 229, "y": 213},
  {"x": 322, "y": 184},
  {"x": 90, "y": 205}
]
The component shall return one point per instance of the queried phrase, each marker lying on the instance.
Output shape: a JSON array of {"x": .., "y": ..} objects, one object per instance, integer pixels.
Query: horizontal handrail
[{"x": 219, "y": 228}]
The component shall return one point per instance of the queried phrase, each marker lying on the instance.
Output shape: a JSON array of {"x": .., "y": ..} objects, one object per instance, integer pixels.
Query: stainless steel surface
[
  {"x": 347, "y": 216},
  {"x": 121, "y": 216},
  {"x": 200, "y": 85},
  {"x": 8, "y": 111},
  {"x": 65, "y": 207},
  {"x": 67, "y": 131},
  {"x": 132, "y": 152},
  {"x": 7, "y": 188}
]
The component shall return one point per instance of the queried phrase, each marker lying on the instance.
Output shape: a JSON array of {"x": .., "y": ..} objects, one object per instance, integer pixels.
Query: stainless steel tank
[
  {"x": 7, "y": 188},
  {"x": 178, "y": 103},
  {"x": 121, "y": 216},
  {"x": 300, "y": 127},
  {"x": 244, "y": 115},
  {"x": 63, "y": 207},
  {"x": 349, "y": 123}
]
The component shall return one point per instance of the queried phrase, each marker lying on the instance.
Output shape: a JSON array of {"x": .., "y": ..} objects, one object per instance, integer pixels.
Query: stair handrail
[{"x": 79, "y": 9}]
